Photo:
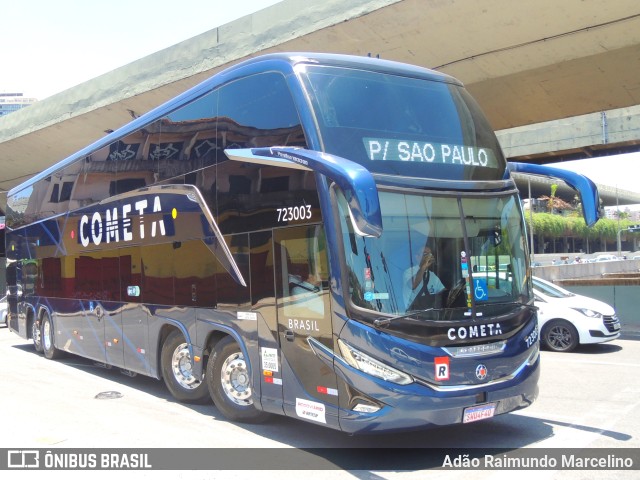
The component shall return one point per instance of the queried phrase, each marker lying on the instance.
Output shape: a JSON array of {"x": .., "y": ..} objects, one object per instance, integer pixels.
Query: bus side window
[
  {"x": 264, "y": 103},
  {"x": 302, "y": 271}
]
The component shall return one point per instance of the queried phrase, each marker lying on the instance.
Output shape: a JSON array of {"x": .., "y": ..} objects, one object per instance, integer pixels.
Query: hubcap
[
  {"x": 235, "y": 380},
  {"x": 560, "y": 337},
  {"x": 46, "y": 334},
  {"x": 35, "y": 334},
  {"x": 183, "y": 368}
]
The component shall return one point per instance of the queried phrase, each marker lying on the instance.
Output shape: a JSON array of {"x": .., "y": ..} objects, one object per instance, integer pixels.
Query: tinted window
[
  {"x": 401, "y": 125},
  {"x": 125, "y": 185},
  {"x": 97, "y": 277},
  {"x": 257, "y": 111},
  {"x": 253, "y": 197},
  {"x": 260, "y": 101},
  {"x": 65, "y": 194}
]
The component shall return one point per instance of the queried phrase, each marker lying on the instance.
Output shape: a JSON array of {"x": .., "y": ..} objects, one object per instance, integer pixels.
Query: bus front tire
[
  {"x": 47, "y": 339},
  {"x": 177, "y": 371},
  {"x": 229, "y": 383}
]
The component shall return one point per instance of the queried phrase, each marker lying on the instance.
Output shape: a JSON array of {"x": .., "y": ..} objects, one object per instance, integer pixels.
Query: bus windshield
[
  {"x": 403, "y": 126},
  {"x": 437, "y": 255}
]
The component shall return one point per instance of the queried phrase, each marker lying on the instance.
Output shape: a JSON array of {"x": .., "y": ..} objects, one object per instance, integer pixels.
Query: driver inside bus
[
  {"x": 421, "y": 285},
  {"x": 307, "y": 293}
]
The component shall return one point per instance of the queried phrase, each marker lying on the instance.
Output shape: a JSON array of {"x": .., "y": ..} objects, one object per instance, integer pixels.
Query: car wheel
[
  {"x": 177, "y": 371},
  {"x": 560, "y": 336},
  {"x": 230, "y": 383}
]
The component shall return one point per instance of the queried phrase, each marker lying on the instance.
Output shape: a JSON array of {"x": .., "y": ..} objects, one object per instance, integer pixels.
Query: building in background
[{"x": 10, "y": 102}]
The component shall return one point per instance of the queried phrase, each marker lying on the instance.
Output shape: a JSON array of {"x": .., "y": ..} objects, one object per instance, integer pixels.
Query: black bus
[{"x": 332, "y": 238}]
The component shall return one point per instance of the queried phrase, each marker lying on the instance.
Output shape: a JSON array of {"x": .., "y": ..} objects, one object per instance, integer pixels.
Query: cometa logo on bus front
[
  {"x": 475, "y": 331},
  {"x": 115, "y": 225}
]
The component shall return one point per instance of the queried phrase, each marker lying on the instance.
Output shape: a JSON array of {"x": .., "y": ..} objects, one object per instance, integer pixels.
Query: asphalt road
[{"x": 588, "y": 399}]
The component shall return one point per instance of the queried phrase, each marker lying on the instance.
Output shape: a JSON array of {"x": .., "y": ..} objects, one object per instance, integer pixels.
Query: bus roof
[{"x": 284, "y": 62}]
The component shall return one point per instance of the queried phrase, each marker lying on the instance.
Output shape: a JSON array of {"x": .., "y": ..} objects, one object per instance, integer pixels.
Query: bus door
[
  {"x": 303, "y": 310},
  {"x": 14, "y": 296},
  {"x": 134, "y": 315},
  {"x": 261, "y": 267}
]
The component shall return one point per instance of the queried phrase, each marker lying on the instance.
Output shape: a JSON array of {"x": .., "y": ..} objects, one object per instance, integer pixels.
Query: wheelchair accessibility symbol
[{"x": 480, "y": 289}]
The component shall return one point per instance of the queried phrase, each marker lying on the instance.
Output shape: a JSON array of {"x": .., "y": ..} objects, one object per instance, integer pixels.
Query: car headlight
[
  {"x": 365, "y": 363},
  {"x": 588, "y": 312}
]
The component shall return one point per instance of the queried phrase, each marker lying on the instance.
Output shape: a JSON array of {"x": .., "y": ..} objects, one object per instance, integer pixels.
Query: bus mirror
[
  {"x": 356, "y": 181},
  {"x": 584, "y": 186}
]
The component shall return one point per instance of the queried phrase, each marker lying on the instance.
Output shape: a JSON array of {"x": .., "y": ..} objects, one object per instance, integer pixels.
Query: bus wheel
[
  {"x": 36, "y": 336},
  {"x": 177, "y": 371},
  {"x": 560, "y": 336},
  {"x": 230, "y": 384},
  {"x": 47, "y": 338}
]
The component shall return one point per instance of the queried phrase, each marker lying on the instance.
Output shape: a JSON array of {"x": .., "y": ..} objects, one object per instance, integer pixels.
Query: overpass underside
[
  {"x": 598, "y": 134},
  {"x": 525, "y": 62},
  {"x": 609, "y": 132}
]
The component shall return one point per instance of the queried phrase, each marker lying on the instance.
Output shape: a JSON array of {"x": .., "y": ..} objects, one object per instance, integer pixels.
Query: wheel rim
[
  {"x": 35, "y": 334},
  {"x": 46, "y": 335},
  {"x": 235, "y": 380},
  {"x": 560, "y": 337},
  {"x": 182, "y": 368}
]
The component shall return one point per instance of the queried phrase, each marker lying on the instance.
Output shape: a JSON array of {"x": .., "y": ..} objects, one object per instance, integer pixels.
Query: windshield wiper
[
  {"x": 512, "y": 304},
  {"x": 379, "y": 322}
]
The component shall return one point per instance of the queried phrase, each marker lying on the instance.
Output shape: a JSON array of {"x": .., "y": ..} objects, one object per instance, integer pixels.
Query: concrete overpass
[{"x": 526, "y": 62}]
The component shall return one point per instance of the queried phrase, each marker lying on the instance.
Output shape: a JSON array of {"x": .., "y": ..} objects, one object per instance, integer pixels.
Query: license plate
[
  {"x": 616, "y": 326},
  {"x": 479, "y": 412}
]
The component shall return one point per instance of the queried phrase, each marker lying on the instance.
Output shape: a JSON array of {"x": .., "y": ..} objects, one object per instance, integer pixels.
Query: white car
[
  {"x": 606, "y": 258},
  {"x": 566, "y": 319},
  {"x": 3, "y": 311}
]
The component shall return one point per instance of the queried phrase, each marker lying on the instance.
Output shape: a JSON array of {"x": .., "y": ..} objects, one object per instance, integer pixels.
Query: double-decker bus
[{"x": 332, "y": 238}]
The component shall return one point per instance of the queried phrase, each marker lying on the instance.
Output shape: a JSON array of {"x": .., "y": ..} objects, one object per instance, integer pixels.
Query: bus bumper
[{"x": 424, "y": 408}]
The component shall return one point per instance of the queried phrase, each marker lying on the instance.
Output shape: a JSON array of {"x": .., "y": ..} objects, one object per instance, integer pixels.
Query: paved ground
[{"x": 589, "y": 398}]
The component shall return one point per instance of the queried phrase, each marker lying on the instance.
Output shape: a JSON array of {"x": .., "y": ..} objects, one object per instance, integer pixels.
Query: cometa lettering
[
  {"x": 115, "y": 225},
  {"x": 474, "y": 331}
]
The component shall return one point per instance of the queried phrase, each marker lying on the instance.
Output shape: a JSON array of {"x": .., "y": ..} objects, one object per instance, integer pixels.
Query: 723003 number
[{"x": 287, "y": 214}]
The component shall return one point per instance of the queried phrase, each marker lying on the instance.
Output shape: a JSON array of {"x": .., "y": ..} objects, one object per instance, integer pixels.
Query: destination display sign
[{"x": 387, "y": 149}]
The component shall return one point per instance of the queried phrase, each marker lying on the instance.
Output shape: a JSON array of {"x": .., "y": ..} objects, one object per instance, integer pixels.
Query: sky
[
  {"x": 618, "y": 171},
  {"x": 47, "y": 46}
]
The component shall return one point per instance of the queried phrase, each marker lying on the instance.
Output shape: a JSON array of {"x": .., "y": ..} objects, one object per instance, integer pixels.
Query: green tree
[{"x": 557, "y": 226}]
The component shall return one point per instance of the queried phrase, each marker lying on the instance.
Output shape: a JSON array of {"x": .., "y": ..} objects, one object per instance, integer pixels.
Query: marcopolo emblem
[{"x": 481, "y": 372}]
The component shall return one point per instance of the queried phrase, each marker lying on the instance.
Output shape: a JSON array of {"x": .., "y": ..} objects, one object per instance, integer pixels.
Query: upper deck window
[{"x": 403, "y": 125}]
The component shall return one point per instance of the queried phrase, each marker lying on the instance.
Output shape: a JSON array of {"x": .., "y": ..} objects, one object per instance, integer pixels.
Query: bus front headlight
[{"x": 365, "y": 363}]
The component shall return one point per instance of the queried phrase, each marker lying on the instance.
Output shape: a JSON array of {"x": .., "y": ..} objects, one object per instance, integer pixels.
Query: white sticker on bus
[
  {"x": 247, "y": 316},
  {"x": 270, "y": 359},
  {"x": 311, "y": 410}
]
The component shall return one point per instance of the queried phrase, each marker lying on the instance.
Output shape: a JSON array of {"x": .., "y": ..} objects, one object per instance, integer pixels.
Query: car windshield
[
  {"x": 550, "y": 290},
  {"x": 437, "y": 255}
]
